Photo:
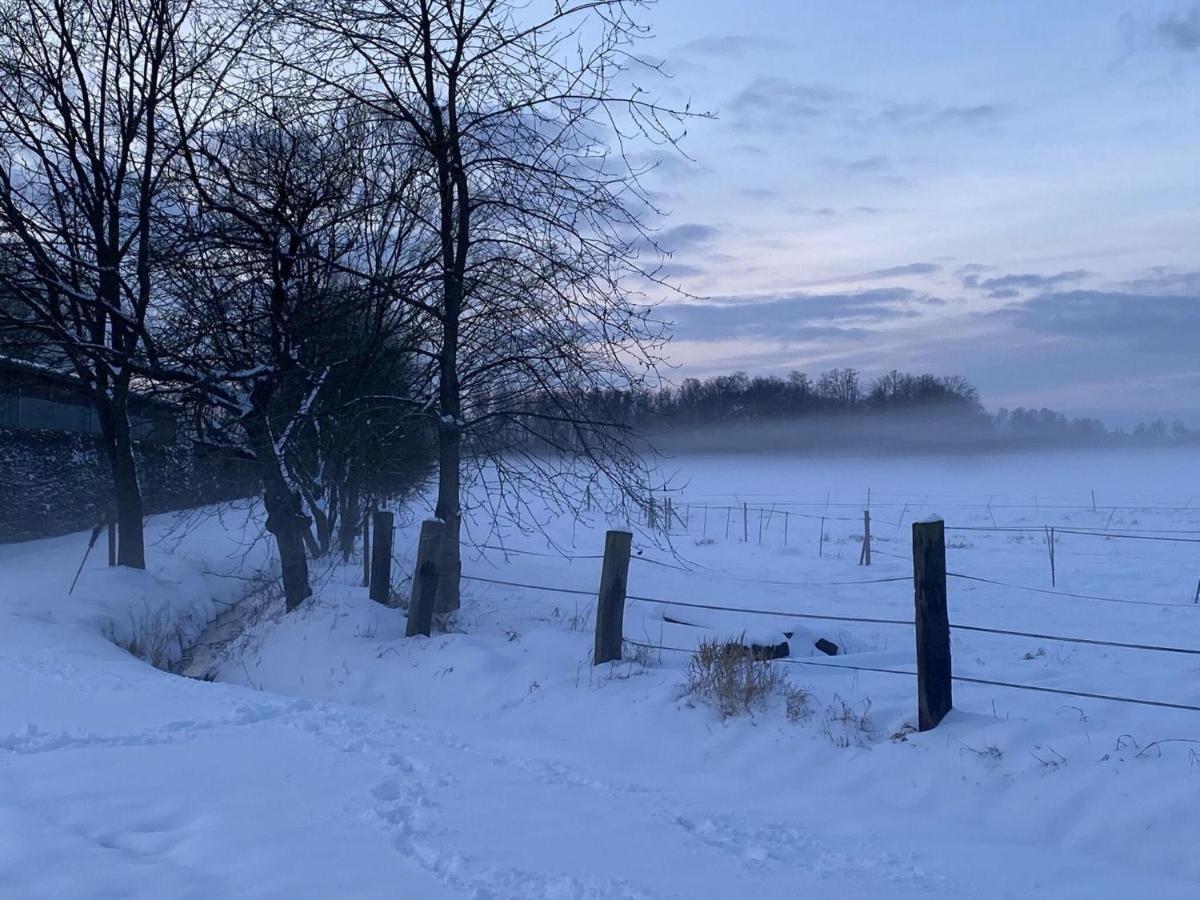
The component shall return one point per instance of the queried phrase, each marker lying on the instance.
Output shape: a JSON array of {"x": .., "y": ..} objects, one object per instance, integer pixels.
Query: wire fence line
[
  {"x": 710, "y": 573},
  {"x": 515, "y": 552},
  {"x": 964, "y": 679},
  {"x": 1072, "y": 594},
  {"x": 792, "y": 614},
  {"x": 865, "y": 620}
]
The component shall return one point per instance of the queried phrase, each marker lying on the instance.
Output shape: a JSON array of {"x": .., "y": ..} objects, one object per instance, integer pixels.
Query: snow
[{"x": 334, "y": 757}]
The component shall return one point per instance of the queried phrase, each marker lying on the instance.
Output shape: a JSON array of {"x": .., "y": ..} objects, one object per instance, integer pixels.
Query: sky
[{"x": 1008, "y": 191}]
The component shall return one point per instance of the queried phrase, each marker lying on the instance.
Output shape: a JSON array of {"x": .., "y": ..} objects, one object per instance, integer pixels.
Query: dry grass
[
  {"x": 153, "y": 636},
  {"x": 726, "y": 674},
  {"x": 846, "y": 726}
]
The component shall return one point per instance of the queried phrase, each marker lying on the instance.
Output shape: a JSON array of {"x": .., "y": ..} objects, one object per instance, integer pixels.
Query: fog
[{"x": 915, "y": 433}]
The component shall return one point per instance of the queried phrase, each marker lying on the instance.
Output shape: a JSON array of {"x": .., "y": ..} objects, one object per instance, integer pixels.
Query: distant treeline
[{"x": 841, "y": 409}]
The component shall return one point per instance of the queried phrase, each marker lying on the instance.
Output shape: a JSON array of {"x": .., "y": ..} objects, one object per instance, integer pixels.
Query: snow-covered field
[{"x": 333, "y": 757}]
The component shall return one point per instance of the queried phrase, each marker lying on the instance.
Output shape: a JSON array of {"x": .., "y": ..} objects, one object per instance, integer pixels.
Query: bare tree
[
  {"x": 273, "y": 326},
  {"x": 521, "y": 117},
  {"x": 84, "y": 136}
]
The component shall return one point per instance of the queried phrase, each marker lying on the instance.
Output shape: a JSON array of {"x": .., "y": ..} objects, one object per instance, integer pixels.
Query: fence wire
[{"x": 964, "y": 679}]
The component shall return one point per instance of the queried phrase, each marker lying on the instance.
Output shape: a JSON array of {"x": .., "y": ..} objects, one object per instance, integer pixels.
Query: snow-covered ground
[{"x": 334, "y": 757}]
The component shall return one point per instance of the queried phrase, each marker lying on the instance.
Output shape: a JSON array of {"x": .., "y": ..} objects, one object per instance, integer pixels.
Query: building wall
[
  {"x": 33, "y": 401},
  {"x": 58, "y": 482}
]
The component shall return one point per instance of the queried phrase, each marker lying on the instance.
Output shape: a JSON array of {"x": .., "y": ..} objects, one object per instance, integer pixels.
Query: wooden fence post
[
  {"x": 425, "y": 578},
  {"x": 745, "y": 523},
  {"x": 610, "y": 606},
  {"x": 821, "y": 544},
  {"x": 1050, "y": 550},
  {"x": 381, "y": 557},
  {"x": 366, "y": 548},
  {"x": 785, "y": 528},
  {"x": 864, "y": 558},
  {"x": 932, "y": 620},
  {"x": 112, "y": 539}
]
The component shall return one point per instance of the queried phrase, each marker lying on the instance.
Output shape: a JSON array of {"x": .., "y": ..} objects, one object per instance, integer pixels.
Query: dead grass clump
[
  {"x": 153, "y": 636},
  {"x": 726, "y": 674},
  {"x": 846, "y": 726}
]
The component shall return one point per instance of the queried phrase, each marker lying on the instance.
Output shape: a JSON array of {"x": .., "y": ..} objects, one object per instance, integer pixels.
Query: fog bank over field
[
  {"x": 840, "y": 411},
  {"x": 901, "y": 433},
  {"x": 1043, "y": 486}
]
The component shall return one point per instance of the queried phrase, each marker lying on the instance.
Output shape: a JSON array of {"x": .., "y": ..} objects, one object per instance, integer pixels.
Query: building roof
[{"x": 59, "y": 376}]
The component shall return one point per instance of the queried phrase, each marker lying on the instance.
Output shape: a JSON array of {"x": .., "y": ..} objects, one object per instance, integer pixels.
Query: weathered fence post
[
  {"x": 366, "y": 548},
  {"x": 932, "y": 619},
  {"x": 785, "y": 528},
  {"x": 425, "y": 578},
  {"x": 112, "y": 538},
  {"x": 610, "y": 607},
  {"x": 864, "y": 558},
  {"x": 1050, "y": 550},
  {"x": 821, "y": 543},
  {"x": 381, "y": 557},
  {"x": 745, "y": 523}
]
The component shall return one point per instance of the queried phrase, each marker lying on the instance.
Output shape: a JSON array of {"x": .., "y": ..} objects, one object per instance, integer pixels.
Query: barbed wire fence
[{"x": 613, "y": 596}]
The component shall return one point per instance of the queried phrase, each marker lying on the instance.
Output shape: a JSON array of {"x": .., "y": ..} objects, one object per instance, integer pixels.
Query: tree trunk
[
  {"x": 448, "y": 510},
  {"x": 127, "y": 492},
  {"x": 348, "y": 524},
  {"x": 285, "y": 514}
]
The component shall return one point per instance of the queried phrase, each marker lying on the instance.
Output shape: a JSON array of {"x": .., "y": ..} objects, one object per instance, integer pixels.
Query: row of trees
[
  {"x": 839, "y": 407},
  {"x": 335, "y": 231}
]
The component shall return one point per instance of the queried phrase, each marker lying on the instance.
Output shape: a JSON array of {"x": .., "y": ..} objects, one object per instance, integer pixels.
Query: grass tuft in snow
[
  {"x": 728, "y": 676},
  {"x": 153, "y": 635},
  {"x": 846, "y": 725}
]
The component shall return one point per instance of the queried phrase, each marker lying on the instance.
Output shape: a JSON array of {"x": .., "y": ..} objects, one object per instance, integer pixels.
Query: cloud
[
  {"x": 670, "y": 166},
  {"x": 1158, "y": 323},
  {"x": 821, "y": 211},
  {"x": 673, "y": 270},
  {"x": 672, "y": 242},
  {"x": 1007, "y": 286},
  {"x": 687, "y": 237},
  {"x": 929, "y": 115},
  {"x": 899, "y": 271},
  {"x": 1180, "y": 30},
  {"x": 795, "y": 317},
  {"x": 771, "y": 103},
  {"x": 734, "y": 45},
  {"x": 877, "y": 163},
  {"x": 1165, "y": 280}
]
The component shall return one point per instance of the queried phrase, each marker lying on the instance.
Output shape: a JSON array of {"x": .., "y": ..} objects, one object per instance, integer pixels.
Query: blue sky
[{"x": 1004, "y": 190}]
